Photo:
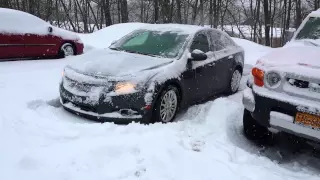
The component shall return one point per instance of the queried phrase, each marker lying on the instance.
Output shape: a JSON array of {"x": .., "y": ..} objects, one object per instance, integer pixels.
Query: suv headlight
[{"x": 273, "y": 79}]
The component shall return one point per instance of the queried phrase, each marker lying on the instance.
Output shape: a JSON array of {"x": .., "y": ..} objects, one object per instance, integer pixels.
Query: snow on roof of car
[
  {"x": 183, "y": 28},
  {"x": 19, "y": 22},
  {"x": 14, "y": 20}
]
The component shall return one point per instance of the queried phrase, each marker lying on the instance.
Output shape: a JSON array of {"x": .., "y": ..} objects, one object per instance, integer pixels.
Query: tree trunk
[
  {"x": 201, "y": 13},
  {"x": 4, "y": 3},
  {"x": 257, "y": 15},
  {"x": 179, "y": 19},
  {"x": 298, "y": 13},
  {"x": 119, "y": 10},
  {"x": 194, "y": 13},
  {"x": 107, "y": 15},
  {"x": 267, "y": 22},
  {"x": 215, "y": 13},
  {"x": 211, "y": 13},
  {"x": 124, "y": 11},
  {"x": 141, "y": 11},
  {"x": 156, "y": 11}
]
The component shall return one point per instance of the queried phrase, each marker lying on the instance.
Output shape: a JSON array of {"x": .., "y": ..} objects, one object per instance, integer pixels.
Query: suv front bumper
[{"x": 278, "y": 111}]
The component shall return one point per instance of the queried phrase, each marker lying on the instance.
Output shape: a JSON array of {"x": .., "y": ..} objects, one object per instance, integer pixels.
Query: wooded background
[{"x": 262, "y": 21}]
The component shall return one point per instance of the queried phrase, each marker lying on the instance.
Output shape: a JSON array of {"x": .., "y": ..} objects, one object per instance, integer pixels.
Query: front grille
[
  {"x": 82, "y": 87},
  {"x": 302, "y": 86},
  {"x": 298, "y": 83}
]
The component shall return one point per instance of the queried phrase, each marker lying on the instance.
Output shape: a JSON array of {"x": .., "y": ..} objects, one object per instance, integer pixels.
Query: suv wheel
[
  {"x": 252, "y": 129},
  {"x": 167, "y": 105}
]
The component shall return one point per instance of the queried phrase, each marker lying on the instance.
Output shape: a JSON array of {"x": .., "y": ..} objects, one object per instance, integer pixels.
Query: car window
[
  {"x": 216, "y": 41},
  {"x": 227, "y": 41},
  {"x": 137, "y": 40},
  {"x": 200, "y": 42}
]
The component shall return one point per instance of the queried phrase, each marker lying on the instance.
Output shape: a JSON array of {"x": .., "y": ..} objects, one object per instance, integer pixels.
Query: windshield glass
[
  {"x": 154, "y": 43},
  {"x": 311, "y": 29}
]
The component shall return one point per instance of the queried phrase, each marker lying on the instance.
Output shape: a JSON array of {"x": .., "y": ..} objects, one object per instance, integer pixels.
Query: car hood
[
  {"x": 115, "y": 63},
  {"x": 293, "y": 59},
  {"x": 292, "y": 56}
]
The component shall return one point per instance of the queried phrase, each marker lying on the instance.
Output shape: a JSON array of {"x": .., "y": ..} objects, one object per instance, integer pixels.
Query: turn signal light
[{"x": 258, "y": 75}]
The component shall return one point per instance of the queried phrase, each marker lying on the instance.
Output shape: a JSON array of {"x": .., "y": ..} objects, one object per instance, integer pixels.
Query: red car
[{"x": 23, "y": 35}]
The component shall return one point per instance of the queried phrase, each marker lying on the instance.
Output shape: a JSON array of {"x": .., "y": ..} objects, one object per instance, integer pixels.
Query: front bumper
[
  {"x": 278, "y": 110},
  {"x": 118, "y": 109}
]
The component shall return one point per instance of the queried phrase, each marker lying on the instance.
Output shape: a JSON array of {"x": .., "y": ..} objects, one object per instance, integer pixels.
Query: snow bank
[
  {"x": 253, "y": 51},
  {"x": 104, "y": 37},
  {"x": 39, "y": 140}
]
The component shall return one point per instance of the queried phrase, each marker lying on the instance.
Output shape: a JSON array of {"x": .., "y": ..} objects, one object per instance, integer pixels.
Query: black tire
[
  {"x": 231, "y": 90},
  {"x": 253, "y": 130},
  {"x": 61, "y": 53},
  {"x": 156, "y": 116}
]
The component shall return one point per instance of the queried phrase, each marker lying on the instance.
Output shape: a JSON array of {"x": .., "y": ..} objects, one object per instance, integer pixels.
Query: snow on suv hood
[
  {"x": 293, "y": 59},
  {"x": 115, "y": 63}
]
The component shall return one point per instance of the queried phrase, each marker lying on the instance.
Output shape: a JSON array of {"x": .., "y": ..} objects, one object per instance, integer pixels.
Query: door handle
[{"x": 230, "y": 57}]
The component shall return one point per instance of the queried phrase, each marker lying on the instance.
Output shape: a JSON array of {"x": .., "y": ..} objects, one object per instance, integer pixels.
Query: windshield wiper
[
  {"x": 137, "y": 52},
  {"x": 116, "y": 48},
  {"x": 131, "y": 51}
]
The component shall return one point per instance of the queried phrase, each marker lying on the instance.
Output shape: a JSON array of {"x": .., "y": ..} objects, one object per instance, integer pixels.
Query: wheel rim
[
  {"x": 68, "y": 50},
  {"x": 168, "y": 106},
  {"x": 235, "y": 80}
]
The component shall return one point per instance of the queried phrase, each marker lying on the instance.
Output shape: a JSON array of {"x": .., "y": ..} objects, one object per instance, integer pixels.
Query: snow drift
[{"x": 39, "y": 140}]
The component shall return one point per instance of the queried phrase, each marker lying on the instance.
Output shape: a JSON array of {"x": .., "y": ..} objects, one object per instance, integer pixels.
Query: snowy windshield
[
  {"x": 154, "y": 43},
  {"x": 311, "y": 30}
]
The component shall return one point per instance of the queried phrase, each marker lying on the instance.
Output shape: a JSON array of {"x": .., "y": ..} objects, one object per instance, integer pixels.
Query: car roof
[{"x": 181, "y": 28}]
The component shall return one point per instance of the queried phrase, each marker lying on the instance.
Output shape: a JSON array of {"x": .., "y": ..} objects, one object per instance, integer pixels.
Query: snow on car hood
[
  {"x": 108, "y": 62},
  {"x": 293, "y": 59}
]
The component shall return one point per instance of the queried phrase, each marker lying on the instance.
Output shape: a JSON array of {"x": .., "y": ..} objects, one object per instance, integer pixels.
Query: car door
[
  {"x": 204, "y": 76},
  {"x": 11, "y": 46},
  {"x": 40, "y": 45},
  {"x": 223, "y": 59}
]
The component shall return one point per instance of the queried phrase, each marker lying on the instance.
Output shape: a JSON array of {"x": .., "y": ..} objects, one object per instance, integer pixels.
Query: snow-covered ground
[{"x": 39, "y": 140}]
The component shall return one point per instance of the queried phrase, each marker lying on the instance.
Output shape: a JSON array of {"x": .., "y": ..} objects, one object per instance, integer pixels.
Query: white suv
[{"x": 284, "y": 93}]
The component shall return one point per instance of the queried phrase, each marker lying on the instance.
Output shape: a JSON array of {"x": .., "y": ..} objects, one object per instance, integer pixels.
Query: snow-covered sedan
[
  {"x": 23, "y": 35},
  {"x": 150, "y": 73},
  {"x": 285, "y": 92}
]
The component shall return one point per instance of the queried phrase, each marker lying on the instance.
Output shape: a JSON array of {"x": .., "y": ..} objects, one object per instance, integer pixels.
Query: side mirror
[
  {"x": 50, "y": 29},
  {"x": 198, "y": 55}
]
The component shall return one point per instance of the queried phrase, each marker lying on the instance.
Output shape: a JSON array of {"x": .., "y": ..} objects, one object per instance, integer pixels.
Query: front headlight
[
  {"x": 273, "y": 79},
  {"x": 125, "y": 88}
]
